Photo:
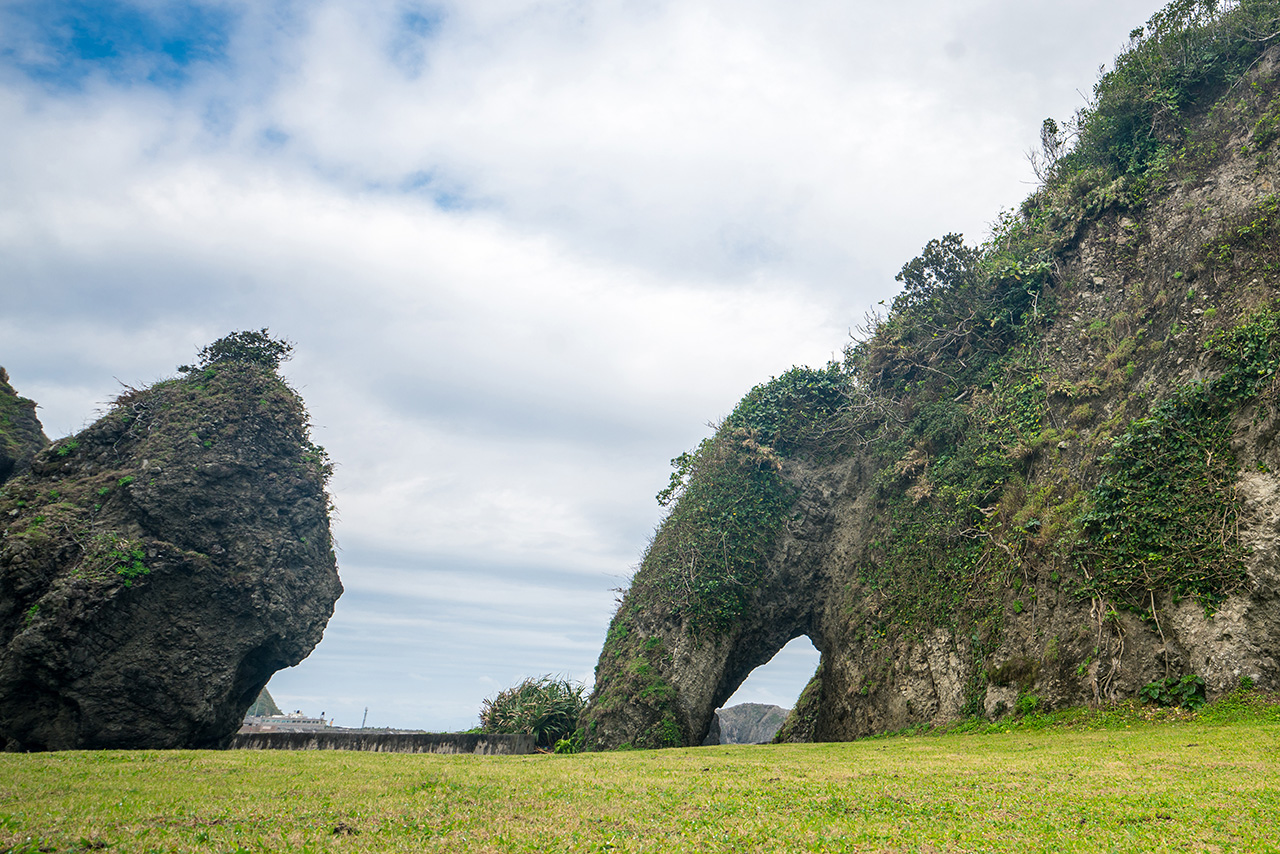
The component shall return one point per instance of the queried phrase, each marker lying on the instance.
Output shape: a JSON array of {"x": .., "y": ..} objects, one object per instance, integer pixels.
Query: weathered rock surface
[
  {"x": 158, "y": 567},
  {"x": 1138, "y": 292},
  {"x": 20, "y": 433},
  {"x": 749, "y": 723}
]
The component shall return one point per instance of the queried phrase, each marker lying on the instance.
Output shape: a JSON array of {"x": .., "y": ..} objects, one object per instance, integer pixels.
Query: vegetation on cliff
[
  {"x": 20, "y": 433},
  {"x": 729, "y": 497},
  {"x": 1028, "y": 408}
]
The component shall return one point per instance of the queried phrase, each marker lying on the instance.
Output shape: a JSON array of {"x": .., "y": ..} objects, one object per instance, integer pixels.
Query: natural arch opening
[{"x": 776, "y": 683}]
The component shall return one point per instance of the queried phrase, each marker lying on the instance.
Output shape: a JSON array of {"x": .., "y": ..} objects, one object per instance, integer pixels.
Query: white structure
[{"x": 295, "y": 722}]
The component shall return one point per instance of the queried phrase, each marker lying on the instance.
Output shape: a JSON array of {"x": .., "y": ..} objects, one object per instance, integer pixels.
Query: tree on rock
[{"x": 248, "y": 347}]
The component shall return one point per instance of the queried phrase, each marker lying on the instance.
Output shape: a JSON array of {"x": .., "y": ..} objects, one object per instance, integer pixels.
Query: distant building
[{"x": 295, "y": 722}]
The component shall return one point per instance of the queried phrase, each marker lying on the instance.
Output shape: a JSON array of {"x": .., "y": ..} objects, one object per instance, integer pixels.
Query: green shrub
[
  {"x": 1251, "y": 236},
  {"x": 127, "y": 558},
  {"x": 249, "y": 347},
  {"x": 1186, "y": 692},
  {"x": 1165, "y": 499},
  {"x": 961, "y": 307},
  {"x": 1185, "y": 55},
  {"x": 959, "y": 358},
  {"x": 1081, "y": 414},
  {"x": 1267, "y": 127},
  {"x": 544, "y": 707},
  {"x": 1026, "y": 704},
  {"x": 786, "y": 411}
]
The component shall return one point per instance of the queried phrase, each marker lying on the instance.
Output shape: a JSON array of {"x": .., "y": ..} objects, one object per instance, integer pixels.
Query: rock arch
[
  {"x": 659, "y": 680},
  {"x": 938, "y": 551}
]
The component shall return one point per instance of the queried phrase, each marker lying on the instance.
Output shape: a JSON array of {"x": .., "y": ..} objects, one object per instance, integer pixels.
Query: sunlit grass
[{"x": 1073, "y": 782}]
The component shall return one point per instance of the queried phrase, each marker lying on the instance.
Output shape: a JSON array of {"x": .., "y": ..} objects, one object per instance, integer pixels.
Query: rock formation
[
  {"x": 157, "y": 568},
  {"x": 20, "y": 433},
  {"x": 1048, "y": 477}
]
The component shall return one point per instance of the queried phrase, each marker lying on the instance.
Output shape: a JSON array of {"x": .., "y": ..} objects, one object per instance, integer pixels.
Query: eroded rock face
[
  {"x": 158, "y": 568},
  {"x": 1050, "y": 647},
  {"x": 20, "y": 433}
]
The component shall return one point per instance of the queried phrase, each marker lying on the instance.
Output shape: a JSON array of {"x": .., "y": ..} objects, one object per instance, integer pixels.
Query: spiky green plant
[{"x": 545, "y": 707}]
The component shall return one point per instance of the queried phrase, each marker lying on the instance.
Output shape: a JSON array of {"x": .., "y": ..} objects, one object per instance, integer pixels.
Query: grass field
[{"x": 1081, "y": 781}]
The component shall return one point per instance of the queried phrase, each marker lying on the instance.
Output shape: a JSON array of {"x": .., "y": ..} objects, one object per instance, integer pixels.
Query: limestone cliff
[
  {"x": 159, "y": 566},
  {"x": 1048, "y": 477}
]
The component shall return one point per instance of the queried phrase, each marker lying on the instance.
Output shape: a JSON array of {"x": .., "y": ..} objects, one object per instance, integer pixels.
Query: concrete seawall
[{"x": 485, "y": 744}]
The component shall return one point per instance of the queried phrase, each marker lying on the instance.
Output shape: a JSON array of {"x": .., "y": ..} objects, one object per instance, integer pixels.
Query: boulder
[{"x": 158, "y": 567}]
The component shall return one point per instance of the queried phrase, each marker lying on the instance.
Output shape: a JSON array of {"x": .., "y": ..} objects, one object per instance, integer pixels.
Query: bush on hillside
[{"x": 1186, "y": 54}]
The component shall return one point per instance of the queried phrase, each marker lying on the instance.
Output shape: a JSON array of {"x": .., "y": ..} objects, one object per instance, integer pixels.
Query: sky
[{"x": 526, "y": 250}]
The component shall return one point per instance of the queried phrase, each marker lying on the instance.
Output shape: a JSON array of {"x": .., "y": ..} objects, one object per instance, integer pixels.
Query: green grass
[{"x": 1110, "y": 781}]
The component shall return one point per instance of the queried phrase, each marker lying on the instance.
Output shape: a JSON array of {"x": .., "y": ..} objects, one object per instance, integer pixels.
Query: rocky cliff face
[
  {"x": 158, "y": 567},
  {"x": 20, "y": 433},
  {"x": 1047, "y": 478}
]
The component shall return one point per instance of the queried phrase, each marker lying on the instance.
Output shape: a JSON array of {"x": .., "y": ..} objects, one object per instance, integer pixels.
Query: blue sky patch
[
  {"x": 273, "y": 139},
  {"x": 63, "y": 42},
  {"x": 446, "y": 195},
  {"x": 408, "y": 47}
]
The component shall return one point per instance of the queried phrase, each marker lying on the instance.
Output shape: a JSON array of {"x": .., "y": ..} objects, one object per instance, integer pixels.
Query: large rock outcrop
[
  {"x": 157, "y": 568},
  {"x": 1047, "y": 478}
]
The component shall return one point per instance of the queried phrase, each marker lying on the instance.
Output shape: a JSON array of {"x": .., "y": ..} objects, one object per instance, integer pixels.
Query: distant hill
[
  {"x": 750, "y": 723},
  {"x": 264, "y": 705}
]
